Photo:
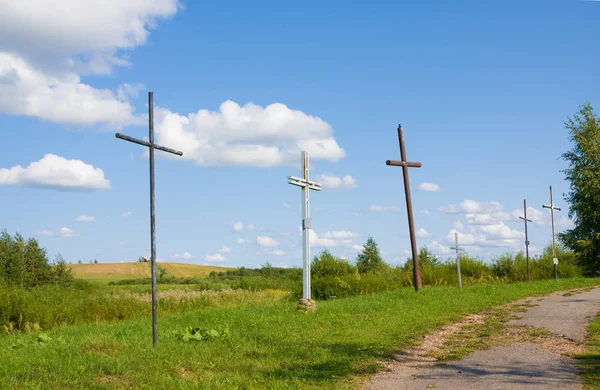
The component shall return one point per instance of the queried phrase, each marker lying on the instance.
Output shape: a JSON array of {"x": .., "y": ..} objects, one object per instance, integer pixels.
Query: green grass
[
  {"x": 589, "y": 361},
  {"x": 270, "y": 345}
]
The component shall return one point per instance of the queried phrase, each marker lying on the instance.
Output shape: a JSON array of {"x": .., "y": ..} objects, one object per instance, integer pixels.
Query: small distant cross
[
  {"x": 524, "y": 218},
  {"x": 457, "y": 249},
  {"x": 306, "y": 185},
  {"x": 151, "y": 146},
  {"x": 411, "y": 226},
  {"x": 552, "y": 208}
]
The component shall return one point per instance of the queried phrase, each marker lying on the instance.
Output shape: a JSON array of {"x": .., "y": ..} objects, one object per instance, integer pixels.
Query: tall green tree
[
  {"x": 583, "y": 175},
  {"x": 369, "y": 260}
]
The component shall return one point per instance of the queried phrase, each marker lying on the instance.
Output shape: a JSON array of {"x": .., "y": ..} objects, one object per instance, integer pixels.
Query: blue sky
[{"x": 482, "y": 90}]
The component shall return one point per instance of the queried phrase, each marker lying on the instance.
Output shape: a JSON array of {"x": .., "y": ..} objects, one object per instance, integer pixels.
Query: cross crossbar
[
  {"x": 551, "y": 207},
  {"x": 396, "y": 163},
  {"x": 525, "y": 219},
  {"x": 304, "y": 183},
  {"x": 148, "y": 144}
]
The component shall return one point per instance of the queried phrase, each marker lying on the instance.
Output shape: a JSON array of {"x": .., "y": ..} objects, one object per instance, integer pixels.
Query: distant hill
[{"x": 119, "y": 271}]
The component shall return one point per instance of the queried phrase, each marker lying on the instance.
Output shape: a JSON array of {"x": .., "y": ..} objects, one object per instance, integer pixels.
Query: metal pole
[
  {"x": 553, "y": 245},
  {"x": 152, "y": 217},
  {"x": 526, "y": 240},
  {"x": 305, "y": 227},
  {"x": 411, "y": 224},
  {"x": 457, "y": 259}
]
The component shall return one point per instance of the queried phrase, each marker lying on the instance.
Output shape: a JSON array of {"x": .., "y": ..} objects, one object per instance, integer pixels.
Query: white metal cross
[{"x": 306, "y": 185}]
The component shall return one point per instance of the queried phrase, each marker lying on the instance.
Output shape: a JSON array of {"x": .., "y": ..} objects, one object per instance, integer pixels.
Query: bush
[{"x": 328, "y": 265}]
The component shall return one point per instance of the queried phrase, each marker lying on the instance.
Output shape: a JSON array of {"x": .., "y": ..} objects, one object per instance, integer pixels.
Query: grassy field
[
  {"x": 589, "y": 362},
  {"x": 265, "y": 345},
  {"x": 120, "y": 271}
]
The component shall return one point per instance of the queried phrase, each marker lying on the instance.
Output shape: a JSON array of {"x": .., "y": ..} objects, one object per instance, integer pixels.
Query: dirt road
[{"x": 524, "y": 363}]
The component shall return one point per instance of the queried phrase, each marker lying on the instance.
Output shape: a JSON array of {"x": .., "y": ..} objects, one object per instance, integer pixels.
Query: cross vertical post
[
  {"x": 457, "y": 248},
  {"x": 411, "y": 225},
  {"x": 552, "y": 208},
  {"x": 306, "y": 185},
  {"x": 151, "y": 146},
  {"x": 524, "y": 218}
]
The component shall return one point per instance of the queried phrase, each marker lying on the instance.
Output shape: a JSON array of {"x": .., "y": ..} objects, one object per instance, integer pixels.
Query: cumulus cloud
[
  {"x": 217, "y": 257},
  {"x": 185, "y": 256},
  {"x": 241, "y": 241},
  {"x": 429, "y": 187},
  {"x": 237, "y": 227},
  {"x": 248, "y": 135},
  {"x": 381, "y": 209},
  {"x": 127, "y": 214},
  {"x": 472, "y": 207},
  {"x": 43, "y": 58},
  {"x": 341, "y": 235},
  {"x": 64, "y": 232},
  {"x": 278, "y": 252},
  {"x": 225, "y": 249},
  {"x": 336, "y": 182},
  {"x": 422, "y": 233},
  {"x": 56, "y": 172},
  {"x": 266, "y": 241},
  {"x": 255, "y": 228},
  {"x": 85, "y": 218},
  {"x": 358, "y": 248},
  {"x": 329, "y": 239}
]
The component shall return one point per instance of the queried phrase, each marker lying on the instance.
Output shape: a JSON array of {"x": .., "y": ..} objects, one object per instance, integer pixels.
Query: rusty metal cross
[{"x": 411, "y": 225}]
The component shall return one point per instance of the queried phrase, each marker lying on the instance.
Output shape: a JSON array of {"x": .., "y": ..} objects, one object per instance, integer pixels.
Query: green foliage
[
  {"x": 583, "y": 175},
  {"x": 328, "y": 265},
  {"x": 24, "y": 263},
  {"x": 369, "y": 260}
]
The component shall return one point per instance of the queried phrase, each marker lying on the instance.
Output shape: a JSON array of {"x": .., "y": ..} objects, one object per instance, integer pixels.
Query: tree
[
  {"x": 583, "y": 175},
  {"x": 369, "y": 259}
]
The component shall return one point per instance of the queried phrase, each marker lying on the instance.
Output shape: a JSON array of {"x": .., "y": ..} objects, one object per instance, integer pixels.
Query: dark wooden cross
[
  {"x": 151, "y": 146},
  {"x": 524, "y": 218},
  {"x": 411, "y": 225}
]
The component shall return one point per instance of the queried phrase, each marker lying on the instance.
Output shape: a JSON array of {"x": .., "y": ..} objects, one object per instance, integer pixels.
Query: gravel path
[{"x": 524, "y": 365}]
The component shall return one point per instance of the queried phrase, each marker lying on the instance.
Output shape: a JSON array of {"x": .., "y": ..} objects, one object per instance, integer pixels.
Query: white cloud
[
  {"x": 266, "y": 241},
  {"x": 185, "y": 255},
  {"x": 287, "y": 205},
  {"x": 436, "y": 248},
  {"x": 85, "y": 218},
  {"x": 278, "y": 252},
  {"x": 56, "y": 172},
  {"x": 42, "y": 58},
  {"x": 335, "y": 182},
  {"x": 127, "y": 214},
  {"x": 255, "y": 228},
  {"x": 358, "y": 248},
  {"x": 341, "y": 235},
  {"x": 64, "y": 232},
  {"x": 241, "y": 241},
  {"x": 217, "y": 257},
  {"x": 422, "y": 233},
  {"x": 225, "y": 249},
  {"x": 472, "y": 207},
  {"x": 60, "y": 98},
  {"x": 380, "y": 209},
  {"x": 426, "y": 212},
  {"x": 248, "y": 135},
  {"x": 67, "y": 233},
  {"x": 237, "y": 227},
  {"x": 429, "y": 187},
  {"x": 494, "y": 236}
]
